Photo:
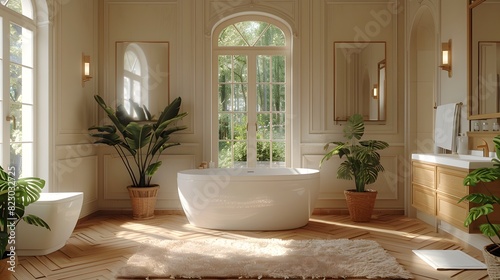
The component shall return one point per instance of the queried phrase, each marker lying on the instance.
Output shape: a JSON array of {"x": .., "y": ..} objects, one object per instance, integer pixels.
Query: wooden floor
[{"x": 101, "y": 245}]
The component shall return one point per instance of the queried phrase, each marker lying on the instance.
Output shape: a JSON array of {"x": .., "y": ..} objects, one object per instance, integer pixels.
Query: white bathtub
[
  {"x": 248, "y": 199},
  {"x": 61, "y": 211}
]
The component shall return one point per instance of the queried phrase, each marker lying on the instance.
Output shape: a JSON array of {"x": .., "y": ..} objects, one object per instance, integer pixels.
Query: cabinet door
[
  {"x": 423, "y": 192},
  {"x": 450, "y": 181},
  {"x": 423, "y": 174},
  {"x": 452, "y": 212},
  {"x": 423, "y": 199}
]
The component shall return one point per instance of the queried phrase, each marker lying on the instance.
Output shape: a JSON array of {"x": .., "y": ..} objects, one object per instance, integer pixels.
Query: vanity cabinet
[
  {"x": 436, "y": 190},
  {"x": 423, "y": 187}
]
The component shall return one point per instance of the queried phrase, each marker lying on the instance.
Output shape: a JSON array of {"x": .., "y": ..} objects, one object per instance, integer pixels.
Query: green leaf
[
  {"x": 489, "y": 230},
  {"x": 151, "y": 170},
  {"x": 138, "y": 135},
  {"x": 36, "y": 221},
  {"x": 170, "y": 111},
  {"x": 485, "y": 174},
  {"x": 355, "y": 127},
  {"x": 111, "y": 113},
  {"x": 476, "y": 212}
]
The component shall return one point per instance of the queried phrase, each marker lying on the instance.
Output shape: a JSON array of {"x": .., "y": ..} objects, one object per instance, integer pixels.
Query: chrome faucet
[{"x": 486, "y": 150}]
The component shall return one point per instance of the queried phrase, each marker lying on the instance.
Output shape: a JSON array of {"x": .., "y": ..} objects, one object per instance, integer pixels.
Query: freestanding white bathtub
[
  {"x": 61, "y": 211},
  {"x": 248, "y": 199}
]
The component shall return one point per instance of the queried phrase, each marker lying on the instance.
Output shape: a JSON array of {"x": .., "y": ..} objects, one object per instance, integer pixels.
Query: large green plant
[
  {"x": 141, "y": 137},
  {"x": 484, "y": 202},
  {"x": 362, "y": 161},
  {"x": 15, "y": 196}
]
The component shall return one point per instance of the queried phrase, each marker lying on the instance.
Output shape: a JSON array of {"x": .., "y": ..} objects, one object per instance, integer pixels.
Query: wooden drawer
[
  {"x": 450, "y": 181},
  {"x": 452, "y": 212},
  {"x": 423, "y": 174},
  {"x": 423, "y": 199}
]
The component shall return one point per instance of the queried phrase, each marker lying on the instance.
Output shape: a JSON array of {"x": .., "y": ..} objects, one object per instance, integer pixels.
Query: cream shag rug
[{"x": 257, "y": 258}]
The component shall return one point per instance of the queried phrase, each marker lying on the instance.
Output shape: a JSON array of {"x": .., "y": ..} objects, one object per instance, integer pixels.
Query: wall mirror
[
  {"x": 484, "y": 59},
  {"x": 360, "y": 80},
  {"x": 142, "y": 75}
]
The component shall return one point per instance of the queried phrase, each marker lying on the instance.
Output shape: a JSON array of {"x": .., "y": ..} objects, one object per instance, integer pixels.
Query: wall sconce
[
  {"x": 446, "y": 57},
  {"x": 375, "y": 91},
  {"x": 85, "y": 69}
]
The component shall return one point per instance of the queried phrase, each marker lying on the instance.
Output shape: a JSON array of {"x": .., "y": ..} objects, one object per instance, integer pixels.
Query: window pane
[
  {"x": 232, "y": 154},
  {"x": 225, "y": 154},
  {"x": 263, "y": 126},
  {"x": 263, "y": 92},
  {"x": 131, "y": 63},
  {"x": 263, "y": 65},
  {"x": 21, "y": 124},
  {"x": 16, "y": 159},
  {"x": 225, "y": 97},
  {"x": 251, "y": 33},
  {"x": 27, "y": 85},
  {"x": 240, "y": 69},
  {"x": 225, "y": 65},
  {"x": 251, "y": 30},
  {"x": 240, "y": 126},
  {"x": 263, "y": 153},
  {"x": 278, "y": 149},
  {"x": 278, "y": 69},
  {"x": 16, "y": 83},
  {"x": 273, "y": 36},
  {"x": 240, "y": 154},
  {"x": 240, "y": 97},
  {"x": 21, "y": 45},
  {"x": 21, "y": 6},
  {"x": 278, "y": 98},
  {"x": 225, "y": 132},
  {"x": 231, "y": 37},
  {"x": 278, "y": 126}
]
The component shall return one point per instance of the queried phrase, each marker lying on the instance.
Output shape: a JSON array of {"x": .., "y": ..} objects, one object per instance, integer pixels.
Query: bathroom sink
[{"x": 455, "y": 160}]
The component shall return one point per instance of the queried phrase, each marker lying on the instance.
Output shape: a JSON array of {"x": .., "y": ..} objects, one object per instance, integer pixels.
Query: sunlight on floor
[{"x": 366, "y": 226}]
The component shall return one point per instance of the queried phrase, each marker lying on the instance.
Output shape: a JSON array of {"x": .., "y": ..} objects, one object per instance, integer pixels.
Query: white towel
[{"x": 446, "y": 129}]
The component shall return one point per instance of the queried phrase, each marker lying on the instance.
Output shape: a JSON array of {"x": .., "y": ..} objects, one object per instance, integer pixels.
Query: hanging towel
[{"x": 446, "y": 128}]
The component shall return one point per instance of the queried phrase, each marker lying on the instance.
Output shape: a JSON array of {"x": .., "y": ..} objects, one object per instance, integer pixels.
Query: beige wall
[
  {"x": 93, "y": 27},
  {"x": 75, "y": 164}
]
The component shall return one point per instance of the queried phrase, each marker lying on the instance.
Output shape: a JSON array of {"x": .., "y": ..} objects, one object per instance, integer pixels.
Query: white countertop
[{"x": 455, "y": 160}]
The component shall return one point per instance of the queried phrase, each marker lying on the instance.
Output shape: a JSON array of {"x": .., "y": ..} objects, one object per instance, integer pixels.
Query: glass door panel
[
  {"x": 271, "y": 121},
  {"x": 232, "y": 110},
  {"x": 20, "y": 117}
]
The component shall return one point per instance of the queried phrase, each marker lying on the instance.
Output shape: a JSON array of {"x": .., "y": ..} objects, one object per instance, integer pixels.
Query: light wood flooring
[{"x": 101, "y": 245}]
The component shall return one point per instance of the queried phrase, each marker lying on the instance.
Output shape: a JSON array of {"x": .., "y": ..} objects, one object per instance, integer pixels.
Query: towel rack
[{"x": 459, "y": 104}]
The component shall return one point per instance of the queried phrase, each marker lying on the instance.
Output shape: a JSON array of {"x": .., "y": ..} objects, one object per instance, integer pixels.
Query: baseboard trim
[
  {"x": 335, "y": 211},
  {"x": 317, "y": 211}
]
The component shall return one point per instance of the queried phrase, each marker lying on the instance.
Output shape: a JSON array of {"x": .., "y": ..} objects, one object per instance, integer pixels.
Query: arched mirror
[
  {"x": 360, "y": 80},
  {"x": 142, "y": 75},
  {"x": 484, "y": 59}
]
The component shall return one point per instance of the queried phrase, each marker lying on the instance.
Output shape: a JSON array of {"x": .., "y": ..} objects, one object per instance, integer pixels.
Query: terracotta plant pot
[
  {"x": 360, "y": 204},
  {"x": 143, "y": 201}
]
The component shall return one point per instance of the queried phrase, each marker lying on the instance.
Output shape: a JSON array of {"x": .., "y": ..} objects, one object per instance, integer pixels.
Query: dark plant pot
[
  {"x": 360, "y": 204},
  {"x": 491, "y": 255},
  {"x": 143, "y": 201}
]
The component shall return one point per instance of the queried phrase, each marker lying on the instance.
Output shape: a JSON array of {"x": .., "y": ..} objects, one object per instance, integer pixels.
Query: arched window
[
  {"x": 135, "y": 84},
  {"x": 251, "y": 58},
  {"x": 18, "y": 90}
]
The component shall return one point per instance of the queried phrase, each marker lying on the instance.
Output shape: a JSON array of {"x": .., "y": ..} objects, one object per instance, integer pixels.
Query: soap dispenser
[{"x": 462, "y": 144}]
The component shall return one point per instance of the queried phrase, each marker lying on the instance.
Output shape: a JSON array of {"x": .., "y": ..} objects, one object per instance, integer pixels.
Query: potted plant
[
  {"x": 483, "y": 206},
  {"x": 362, "y": 163},
  {"x": 139, "y": 141},
  {"x": 15, "y": 196}
]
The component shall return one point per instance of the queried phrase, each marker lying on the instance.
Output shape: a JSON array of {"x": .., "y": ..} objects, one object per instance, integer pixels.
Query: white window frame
[
  {"x": 10, "y": 16},
  {"x": 251, "y": 53}
]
